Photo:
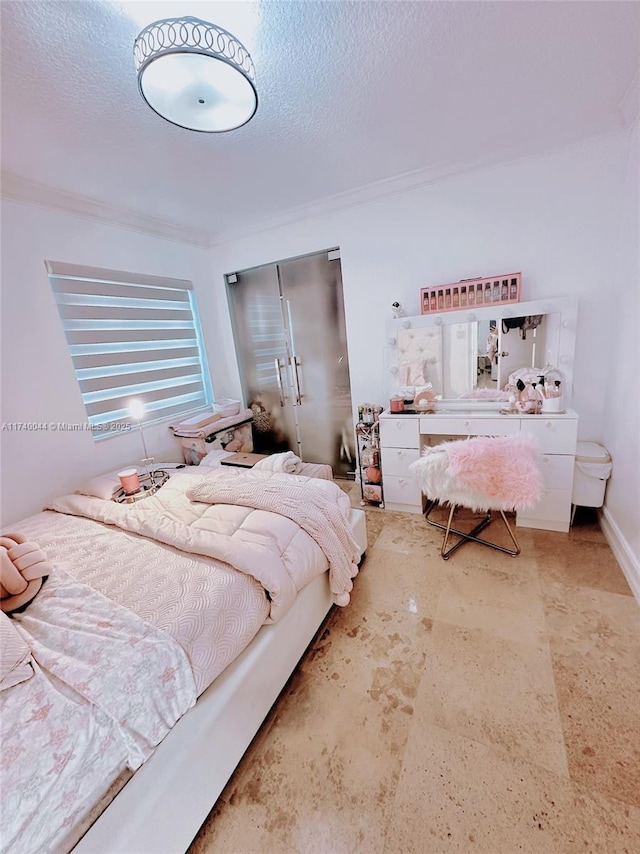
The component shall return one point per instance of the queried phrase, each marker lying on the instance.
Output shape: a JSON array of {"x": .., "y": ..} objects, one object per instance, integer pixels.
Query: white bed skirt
[{"x": 160, "y": 810}]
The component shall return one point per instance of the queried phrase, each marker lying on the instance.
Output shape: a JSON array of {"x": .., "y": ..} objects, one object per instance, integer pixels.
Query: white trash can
[{"x": 592, "y": 470}]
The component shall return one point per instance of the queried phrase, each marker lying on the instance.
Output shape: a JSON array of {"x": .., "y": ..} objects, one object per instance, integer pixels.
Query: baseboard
[{"x": 620, "y": 547}]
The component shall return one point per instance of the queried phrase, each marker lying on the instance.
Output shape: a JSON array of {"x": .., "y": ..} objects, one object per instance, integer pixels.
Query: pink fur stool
[{"x": 483, "y": 473}]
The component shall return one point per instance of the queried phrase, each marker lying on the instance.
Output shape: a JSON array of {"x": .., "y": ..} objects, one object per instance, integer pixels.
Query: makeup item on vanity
[
  {"x": 129, "y": 480},
  {"x": 396, "y": 404},
  {"x": 424, "y": 398},
  {"x": 472, "y": 291},
  {"x": 553, "y": 400}
]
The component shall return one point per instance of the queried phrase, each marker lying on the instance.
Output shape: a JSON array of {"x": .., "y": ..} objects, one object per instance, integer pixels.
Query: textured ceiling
[{"x": 350, "y": 93}]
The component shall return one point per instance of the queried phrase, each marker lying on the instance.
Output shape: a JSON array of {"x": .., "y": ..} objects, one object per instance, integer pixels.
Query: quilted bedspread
[{"x": 255, "y": 541}]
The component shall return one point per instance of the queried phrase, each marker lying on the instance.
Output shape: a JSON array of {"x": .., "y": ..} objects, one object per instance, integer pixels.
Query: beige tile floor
[{"x": 483, "y": 704}]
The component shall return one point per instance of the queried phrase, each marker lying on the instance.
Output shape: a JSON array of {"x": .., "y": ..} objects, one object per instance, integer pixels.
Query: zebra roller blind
[{"x": 131, "y": 336}]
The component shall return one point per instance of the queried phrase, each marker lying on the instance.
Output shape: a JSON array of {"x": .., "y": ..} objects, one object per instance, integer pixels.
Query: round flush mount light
[{"x": 195, "y": 75}]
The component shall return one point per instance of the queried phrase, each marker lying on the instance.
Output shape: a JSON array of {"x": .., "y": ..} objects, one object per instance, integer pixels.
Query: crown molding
[
  {"x": 398, "y": 185},
  {"x": 17, "y": 189}
]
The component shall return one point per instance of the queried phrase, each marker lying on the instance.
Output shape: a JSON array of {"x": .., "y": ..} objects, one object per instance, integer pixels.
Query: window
[{"x": 131, "y": 336}]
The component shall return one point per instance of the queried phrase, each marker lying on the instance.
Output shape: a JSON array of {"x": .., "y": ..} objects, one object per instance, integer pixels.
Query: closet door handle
[
  {"x": 279, "y": 380},
  {"x": 296, "y": 380}
]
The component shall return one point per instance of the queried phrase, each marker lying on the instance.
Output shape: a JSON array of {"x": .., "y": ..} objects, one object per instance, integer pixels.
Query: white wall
[
  {"x": 38, "y": 381},
  {"x": 555, "y": 217},
  {"x": 621, "y": 433}
]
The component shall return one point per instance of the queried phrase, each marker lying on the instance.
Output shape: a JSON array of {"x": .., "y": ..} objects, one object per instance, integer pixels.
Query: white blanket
[
  {"x": 298, "y": 499},
  {"x": 287, "y": 462},
  {"x": 252, "y": 541}
]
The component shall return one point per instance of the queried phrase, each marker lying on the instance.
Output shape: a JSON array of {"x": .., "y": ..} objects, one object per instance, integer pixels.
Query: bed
[{"x": 197, "y": 652}]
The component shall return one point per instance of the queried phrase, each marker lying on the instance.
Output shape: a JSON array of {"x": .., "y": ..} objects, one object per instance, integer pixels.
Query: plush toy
[{"x": 23, "y": 570}]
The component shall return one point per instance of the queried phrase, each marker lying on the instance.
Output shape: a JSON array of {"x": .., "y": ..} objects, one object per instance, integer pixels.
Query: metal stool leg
[{"x": 470, "y": 536}]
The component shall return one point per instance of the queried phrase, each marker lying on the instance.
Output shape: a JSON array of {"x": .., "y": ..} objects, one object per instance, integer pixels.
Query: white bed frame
[{"x": 162, "y": 807}]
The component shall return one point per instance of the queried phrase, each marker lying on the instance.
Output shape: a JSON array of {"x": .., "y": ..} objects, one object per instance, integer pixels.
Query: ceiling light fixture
[{"x": 195, "y": 75}]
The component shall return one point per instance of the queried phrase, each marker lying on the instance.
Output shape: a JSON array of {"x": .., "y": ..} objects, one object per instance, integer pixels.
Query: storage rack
[{"x": 368, "y": 452}]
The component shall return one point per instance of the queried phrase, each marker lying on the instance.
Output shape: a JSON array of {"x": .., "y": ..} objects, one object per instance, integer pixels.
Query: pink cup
[{"x": 129, "y": 480}]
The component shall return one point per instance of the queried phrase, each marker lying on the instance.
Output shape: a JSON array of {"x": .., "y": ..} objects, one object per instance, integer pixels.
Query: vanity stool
[{"x": 484, "y": 473}]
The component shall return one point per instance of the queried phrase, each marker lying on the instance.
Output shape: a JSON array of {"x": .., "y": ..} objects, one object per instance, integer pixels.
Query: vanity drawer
[
  {"x": 552, "y": 513},
  {"x": 557, "y": 470},
  {"x": 396, "y": 461},
  {"x": 469, "y": 426},
  {"x": 401, "y": 432},
  {"x": 554, "y": 435},
  {"x": 402, "y": 490}
]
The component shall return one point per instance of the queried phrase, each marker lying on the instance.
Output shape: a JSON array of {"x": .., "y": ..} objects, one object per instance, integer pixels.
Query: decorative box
[{"x": 471, "y": 293}]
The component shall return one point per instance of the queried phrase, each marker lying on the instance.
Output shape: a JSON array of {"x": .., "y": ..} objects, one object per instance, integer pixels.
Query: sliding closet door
[{"x": 263, "y": 355}]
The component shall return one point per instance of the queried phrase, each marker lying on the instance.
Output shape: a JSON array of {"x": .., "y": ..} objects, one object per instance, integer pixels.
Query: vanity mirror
[{"x": 467, "y": 355}]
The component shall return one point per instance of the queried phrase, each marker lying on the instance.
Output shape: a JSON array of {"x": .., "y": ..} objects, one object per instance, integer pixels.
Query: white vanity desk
[
  {"x": 438, "y": 338},
  {"x": 403, "y": 436}
]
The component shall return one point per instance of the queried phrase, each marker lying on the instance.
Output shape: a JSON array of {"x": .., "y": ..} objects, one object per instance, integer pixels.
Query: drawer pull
[
  {"x": 549, "y": 425},
  {"x": 466, "y": 423},
  {"x": 401, "y": 481},
  {"x": 545, "y": 460},
  {"x": 400, "y": 453}
]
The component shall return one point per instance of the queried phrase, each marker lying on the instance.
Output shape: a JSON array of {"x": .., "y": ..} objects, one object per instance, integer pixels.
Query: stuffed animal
[{"x": 23, "y": 570}]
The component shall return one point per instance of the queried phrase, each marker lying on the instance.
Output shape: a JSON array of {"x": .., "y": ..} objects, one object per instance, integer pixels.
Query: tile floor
[{"x": 483, "y": 704}]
